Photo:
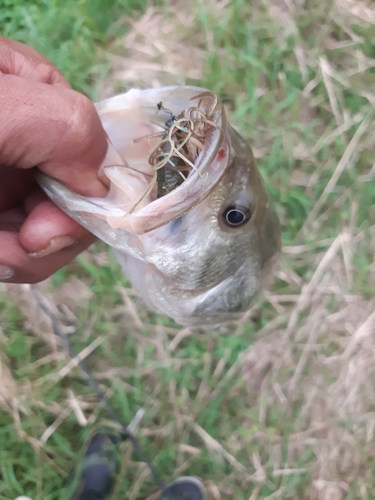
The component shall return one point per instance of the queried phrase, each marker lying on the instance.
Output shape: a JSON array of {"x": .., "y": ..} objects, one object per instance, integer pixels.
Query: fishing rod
[{"x": 98, "y": 472}]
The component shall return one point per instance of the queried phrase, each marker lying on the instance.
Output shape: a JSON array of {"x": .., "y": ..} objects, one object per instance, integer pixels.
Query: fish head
[
  {"x": 201, "y": 253},
  {"x": 207, "y": 266}
]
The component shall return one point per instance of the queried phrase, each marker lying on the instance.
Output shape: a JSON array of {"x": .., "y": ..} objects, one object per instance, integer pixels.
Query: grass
[{"x": 280, "y": 405}]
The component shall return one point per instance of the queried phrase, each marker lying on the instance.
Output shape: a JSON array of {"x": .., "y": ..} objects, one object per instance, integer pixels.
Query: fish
[{"x": 198, "y": 249}]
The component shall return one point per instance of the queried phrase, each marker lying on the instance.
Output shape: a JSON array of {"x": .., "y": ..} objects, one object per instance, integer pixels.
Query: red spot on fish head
[{"x": 220, "y": 154}]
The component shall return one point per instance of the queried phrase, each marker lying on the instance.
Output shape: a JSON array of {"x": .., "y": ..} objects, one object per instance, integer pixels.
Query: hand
[{"x": 43, "y": 123}]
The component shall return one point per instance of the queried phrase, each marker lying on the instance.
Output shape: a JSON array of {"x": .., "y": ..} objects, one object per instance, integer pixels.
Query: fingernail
[
  {"x": 54, "y": 245},
  {"x": 6, "y": 273}
]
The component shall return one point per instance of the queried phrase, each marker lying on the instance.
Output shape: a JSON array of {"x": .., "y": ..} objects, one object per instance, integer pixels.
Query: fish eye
[{"x": 236, "y": 215}]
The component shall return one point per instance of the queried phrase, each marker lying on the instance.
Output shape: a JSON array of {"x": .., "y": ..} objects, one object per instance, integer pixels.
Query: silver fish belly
[{"x": 201, "y": 250}]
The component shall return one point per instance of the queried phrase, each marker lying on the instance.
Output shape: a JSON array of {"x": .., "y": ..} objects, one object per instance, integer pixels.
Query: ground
[{"x": 281, "y": 404}]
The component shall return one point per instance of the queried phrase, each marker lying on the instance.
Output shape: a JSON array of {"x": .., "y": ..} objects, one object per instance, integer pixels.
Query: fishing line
[{"x": 126, "y": 431}]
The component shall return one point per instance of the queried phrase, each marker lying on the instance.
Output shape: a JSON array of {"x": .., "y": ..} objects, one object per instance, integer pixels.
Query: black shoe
[
  {"x": 186, "y": 488},
  {"x": 99, "y": 467}
]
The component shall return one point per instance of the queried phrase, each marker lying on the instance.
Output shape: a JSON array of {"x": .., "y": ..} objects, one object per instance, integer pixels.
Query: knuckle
[
  {"x": 80, "y": 123},
  {"x": 46, "y": 72}
]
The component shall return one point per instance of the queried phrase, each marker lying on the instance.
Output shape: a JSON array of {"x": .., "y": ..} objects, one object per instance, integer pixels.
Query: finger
[
  {"x": 21, "y": 60},
  {"x": 47, "y": 229},
  {"x": 56, "y": 129},
  {"x": 17, "y": 266},
  {"x": 31, "y": 233}
]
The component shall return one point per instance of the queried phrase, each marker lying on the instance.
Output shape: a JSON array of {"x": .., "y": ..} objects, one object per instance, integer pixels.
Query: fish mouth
[
  {"x": 135, "y": 123},
  {"x": 129, "y": 120}
]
